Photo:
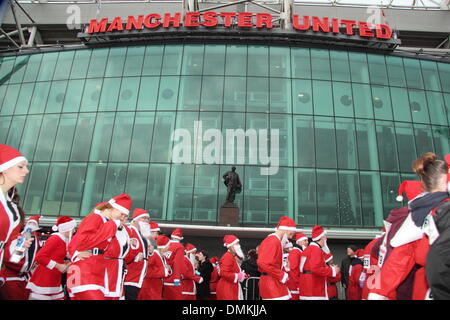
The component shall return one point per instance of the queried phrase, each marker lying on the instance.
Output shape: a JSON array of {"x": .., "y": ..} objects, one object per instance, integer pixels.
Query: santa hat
[
  {"x": 35, "y": 219},
  {"x": 318, "y": 232},
  {"x": 412, "y": 188},
  {"x": 189, "y": 248},
  {"x": 360, "y": 253},
  {"x": 230, "y": 240},
  {"x": 300, "y": 237},
  {"x": 122, "y": 202},
  {"x": 214, "y": 260},
  {"x": 9, "y": 157},
  {"x": 177, "y": 234},
  {"x": 286, "y": 223},
  {"x": 162, "y": 242},
  {"x": 64, "y": 224},
  {"x": 140, "y": 213},
  {"x": 447, "y": 159},
  {"x": 328, "y": 257},
  {"x": 154, "y": 227},
  {"x": 288, "y": 245}
]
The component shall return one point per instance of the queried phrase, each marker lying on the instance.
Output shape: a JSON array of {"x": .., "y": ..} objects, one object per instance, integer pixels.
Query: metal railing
[{"x": 250, "y": 289}]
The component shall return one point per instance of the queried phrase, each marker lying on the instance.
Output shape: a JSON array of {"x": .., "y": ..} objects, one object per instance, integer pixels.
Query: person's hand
[
  {"x": 84, "y": 255},
  {"x": 201, "y": 280},
  {"x": 241, "y": 276},
  {"x": 337, "y": 269},
  {"x": 62, "y": 267},
  {"x": 27, "y": 243},
  {"x": 151, "y": 248},
  {"x": 134, "y": 243}
]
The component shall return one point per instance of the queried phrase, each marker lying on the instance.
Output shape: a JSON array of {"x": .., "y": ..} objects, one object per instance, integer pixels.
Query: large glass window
[{"x": 97, "y": 122}]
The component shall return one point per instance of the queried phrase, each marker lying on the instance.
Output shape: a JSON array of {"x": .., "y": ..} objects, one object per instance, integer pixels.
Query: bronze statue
[{"x": 231, "y": 180}]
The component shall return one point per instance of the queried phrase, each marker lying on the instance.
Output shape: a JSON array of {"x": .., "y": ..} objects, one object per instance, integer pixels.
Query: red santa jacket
[
  {"x": 370, "y": 265},
  {"x": 158, "y": 269},
  {"x": 94, "y": 233},
  {"x": 331, "y": 286},
  {"x": 214, "y": 280},
  {"x": 115, "y": 255},
  {"x": 136, "y": 270},
  {"x": 189, "y": 278},
  {"x": 9, "y": 223},
  {"x": 19, "y": 271},
  {"x": 174, "y": 257},
  {"x": 314, "y": 273},
  {"x": 399, "y": 265},
  {"x": 46, "y": 279},
  {"x": 272, "y": 284},
  {"x": 294, "y": 270},
  {"x": 228, "y": 286},
  {"x": 354, "y": 289}
]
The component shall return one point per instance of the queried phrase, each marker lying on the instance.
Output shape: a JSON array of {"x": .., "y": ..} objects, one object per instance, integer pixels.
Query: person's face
[
  {"x": 16, "y": 174},
  {"x": 113, "y": 213},
  {"x": 154, "y": 234},
  {"x": 144, "y": 219},
  {"x": 290, "y": 234},
  {"x": 350, "y": 252},
  {"x": 303, "y": 243},
  {"x": 123, "y": 218},
  {"x": 200, "y": 257}
]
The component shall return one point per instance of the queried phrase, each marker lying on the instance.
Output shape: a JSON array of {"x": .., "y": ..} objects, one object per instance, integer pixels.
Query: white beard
[
  {"x": 192, "y": 259},
  {"x": 238, "y": 250},
  {"x": 325, "y": 248},
  {"x": 284, "y": 240},
  {"x": 144, "y": 228},
  {"x": 304, "y": 247}
]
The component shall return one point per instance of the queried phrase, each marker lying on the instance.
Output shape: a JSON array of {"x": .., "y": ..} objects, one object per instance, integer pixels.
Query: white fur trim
[
  {"x": 407, "y": 233},
  {"x": 119, "y": 207},
  {"x": 12, "y": 162},
  {"x": 334, "y": 272},
  {"x": 399, "y": 198},
  {"x": 176, "y": 237},
  {"x": 374, "y": 296},
  {"x": 329, "y": 258},
  {"x": 313, "y": 298},
  {"x": 319, "y": 236},
  {"x": 37, "y": 296},
  {"x": 117, "y": 222},
  {"x": 43, "y": 290},
  {"x": 67, "y": 226},
  {"x": 301, "y": 239},
  {"x": 285, "y": 278},
  {"x": 281, "y": 298},
  {"x": 231, "y": 244},
  {"x": 141, "y": 215},
  {"x": 287, "y": 228},
  {"x": 87, "y": 287}
]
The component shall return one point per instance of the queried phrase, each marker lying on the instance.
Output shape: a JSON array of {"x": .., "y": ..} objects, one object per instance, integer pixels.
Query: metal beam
[{"x": 10, "y": 39}]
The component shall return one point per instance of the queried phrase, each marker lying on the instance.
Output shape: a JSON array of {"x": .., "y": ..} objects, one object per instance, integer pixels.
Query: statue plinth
[{"x": 229, "y": 215}]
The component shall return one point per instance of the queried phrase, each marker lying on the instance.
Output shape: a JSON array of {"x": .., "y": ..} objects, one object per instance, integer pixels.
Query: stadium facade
[{"x": 343, "y": 108}]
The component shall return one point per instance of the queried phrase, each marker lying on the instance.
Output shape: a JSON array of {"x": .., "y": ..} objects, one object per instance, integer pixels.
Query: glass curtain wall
[{"x": 338, "y": 129}]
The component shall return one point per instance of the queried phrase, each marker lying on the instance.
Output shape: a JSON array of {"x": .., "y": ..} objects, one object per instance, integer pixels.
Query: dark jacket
[
  {"x": 250, "y": 267},
  {"x": 345, "y": 267},
  {"x": 438, "y": 258},
  {"x": 205, "y": 268}
]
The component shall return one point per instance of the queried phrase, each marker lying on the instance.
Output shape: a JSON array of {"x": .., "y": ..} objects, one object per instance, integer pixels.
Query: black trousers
[{"x": 131, "y": 292}]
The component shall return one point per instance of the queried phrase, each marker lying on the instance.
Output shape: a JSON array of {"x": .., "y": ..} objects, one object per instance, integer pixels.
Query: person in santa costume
[
  {"x": 17, "y": 274},
  {"x": 190, "y": 277},
  {"x": 301, "y": 242},
  {"x": 158, "y": 270},
  {"x": 354, "y": 291},
  {"x": 13, "y": 170},
  {"x": 313, "y": 269},
  {"x": 331, "y": 281},
  {"x": 273, "y": 281},
  {"x": 117, "y": 255},
  {"x": 45, "y": 283},
  {"x": 406, "y": 263},
  {"x": 214, "y": 278},
  {"x": 136, "y": 269},
  {"x": 437, "y": 261},
  {"x": 370, "y": 265},
  {"x": 86, "y": 275},
  {"x": 231, "y": 275},
  {"x": 174, "y": 256}
]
